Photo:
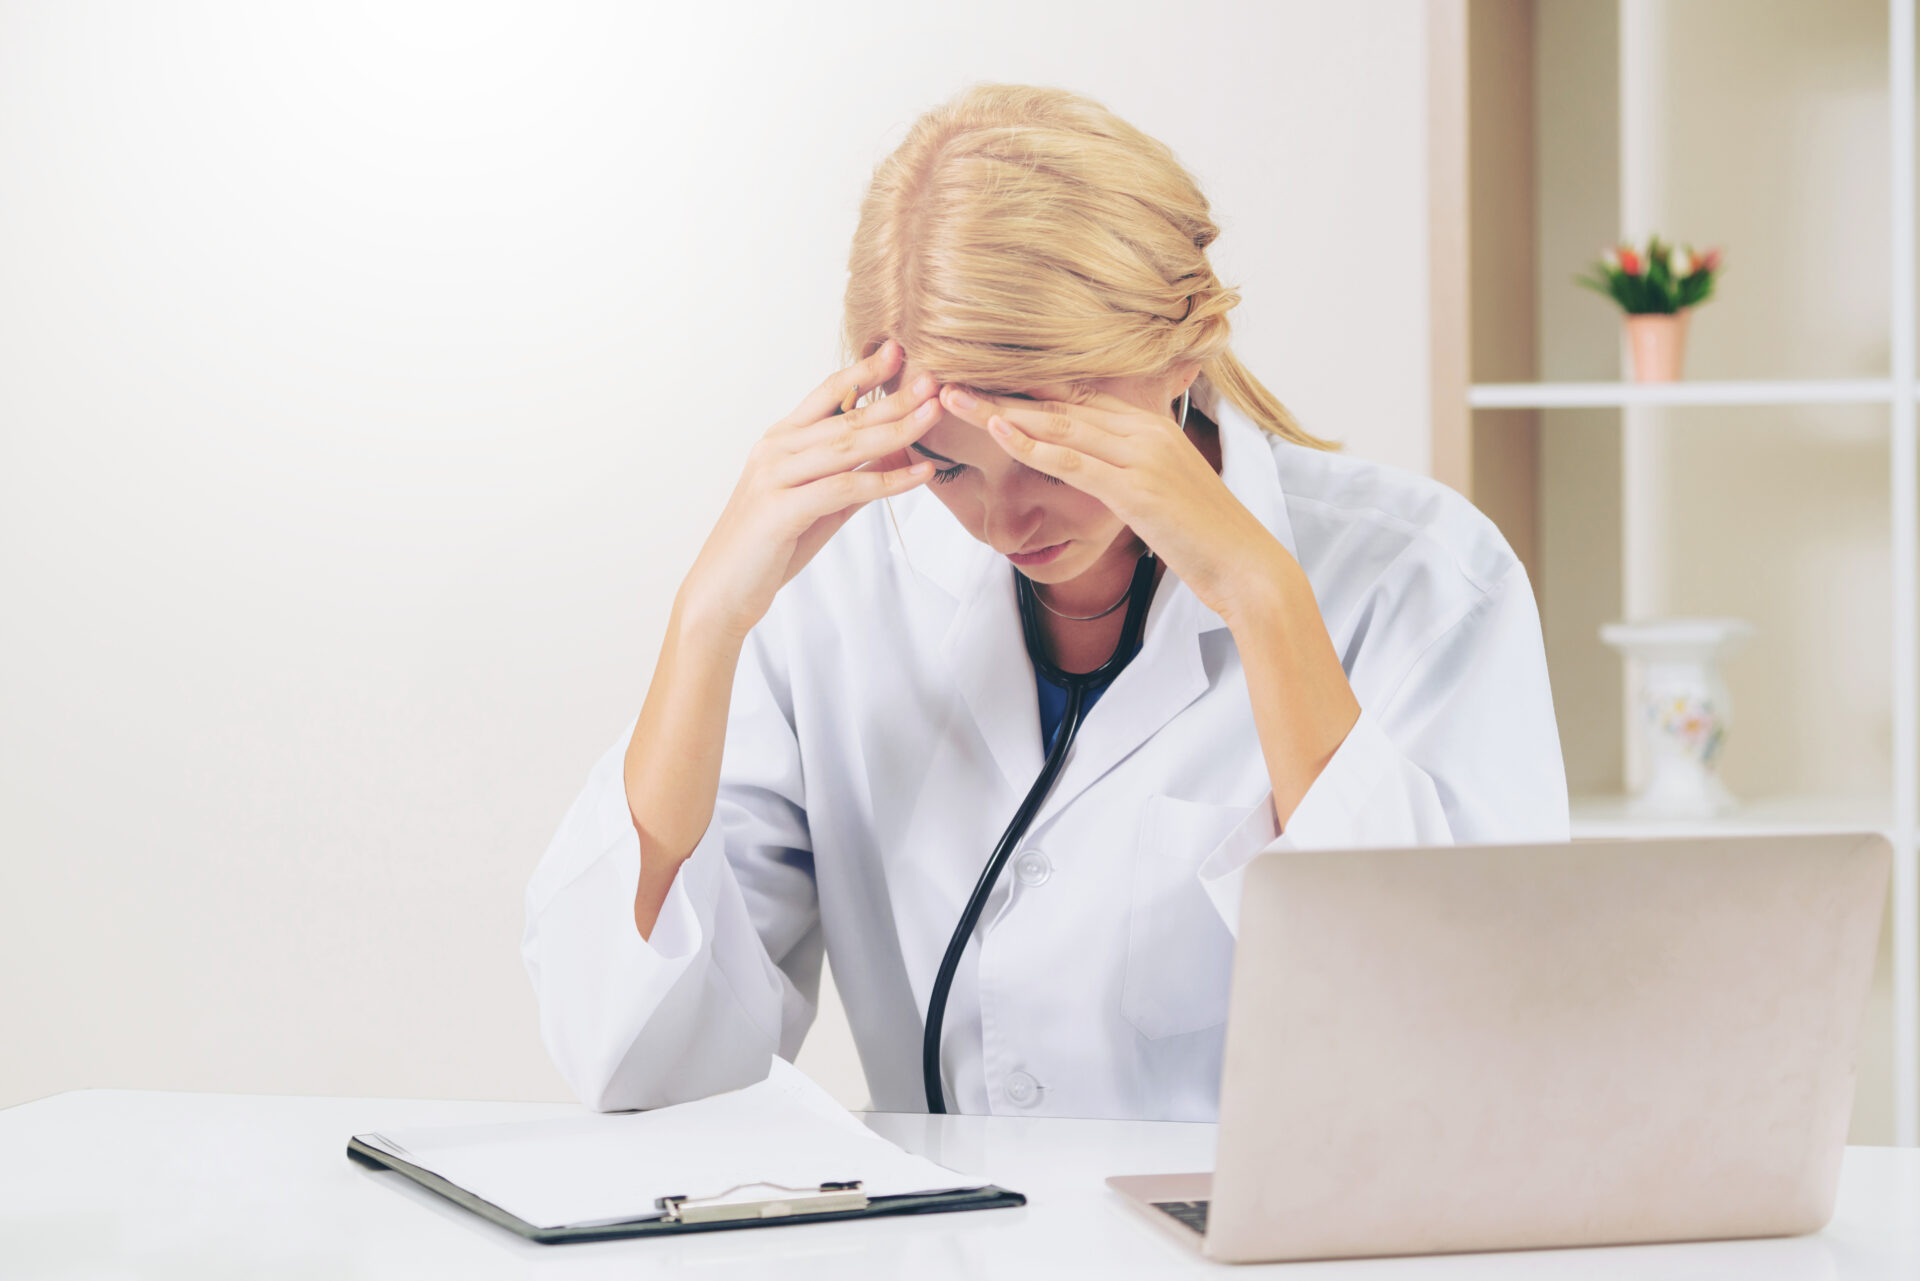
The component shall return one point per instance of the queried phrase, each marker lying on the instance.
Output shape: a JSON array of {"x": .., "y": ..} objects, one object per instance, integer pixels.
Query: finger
[
  {"x": 1082, "y": 400},
  {"x": 863, "y": 376},
  {"x": 1124, "y": 413},
  {"x": 1061, "y": 424},
  {"x": 884, "y": 409},
  {"x": 1083, "y": 471},
  {"x": 854, "y": 488},
  {"x": 848, "y": 448},
  {"x": 1100, "y": 409}
]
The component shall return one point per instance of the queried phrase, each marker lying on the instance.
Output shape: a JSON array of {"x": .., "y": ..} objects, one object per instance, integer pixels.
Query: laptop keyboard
[{"x": 1191, "y": 1213}]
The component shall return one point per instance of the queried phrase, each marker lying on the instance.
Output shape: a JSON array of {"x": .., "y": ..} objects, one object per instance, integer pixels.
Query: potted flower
[{"x": 1656, "y": 287}]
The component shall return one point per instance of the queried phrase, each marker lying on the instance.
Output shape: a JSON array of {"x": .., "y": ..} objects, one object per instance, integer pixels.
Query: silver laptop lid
[{"x": 1501, "y": 1046}]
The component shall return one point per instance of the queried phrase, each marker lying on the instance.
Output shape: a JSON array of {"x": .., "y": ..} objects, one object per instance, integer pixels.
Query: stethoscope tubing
[{"x": 1077, "y": 684}]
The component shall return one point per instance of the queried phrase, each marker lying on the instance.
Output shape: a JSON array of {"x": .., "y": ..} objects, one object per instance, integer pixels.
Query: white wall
[{"x": 369, "y": 374}]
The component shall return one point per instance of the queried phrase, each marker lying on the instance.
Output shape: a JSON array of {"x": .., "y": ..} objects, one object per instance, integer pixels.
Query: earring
[{"x": 1183, "y": 409}]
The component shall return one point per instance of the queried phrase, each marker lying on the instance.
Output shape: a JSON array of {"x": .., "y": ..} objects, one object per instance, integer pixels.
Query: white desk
[{"x": 134, "y": 1183}]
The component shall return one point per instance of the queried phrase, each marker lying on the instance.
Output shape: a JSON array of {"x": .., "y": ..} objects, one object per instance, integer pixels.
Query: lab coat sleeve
[
  {"x": 731, "y": 972},
  {"x": 1462, "y": 748}
]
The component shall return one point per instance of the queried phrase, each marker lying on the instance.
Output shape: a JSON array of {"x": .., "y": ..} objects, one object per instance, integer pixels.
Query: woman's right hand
[{"x": 803, "y": 480}]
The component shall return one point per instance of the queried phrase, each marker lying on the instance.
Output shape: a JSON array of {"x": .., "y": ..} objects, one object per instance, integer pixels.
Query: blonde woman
[{"x": 1002, "y": 745}]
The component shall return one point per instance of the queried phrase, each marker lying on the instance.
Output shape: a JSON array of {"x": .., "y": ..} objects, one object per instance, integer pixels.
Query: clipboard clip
[{"x": 825, "y": 1199}]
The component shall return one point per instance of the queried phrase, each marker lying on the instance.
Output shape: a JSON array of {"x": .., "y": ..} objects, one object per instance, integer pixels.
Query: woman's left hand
[{"x": 1143, "y": 469}]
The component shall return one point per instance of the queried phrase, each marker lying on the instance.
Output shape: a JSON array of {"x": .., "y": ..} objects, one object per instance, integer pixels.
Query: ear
[{"x": 1179, "y": 379}]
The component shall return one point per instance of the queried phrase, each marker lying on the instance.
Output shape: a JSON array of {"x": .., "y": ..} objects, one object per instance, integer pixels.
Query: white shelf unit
[
  {"x": 1832, "y": 391},
  {"x": 1603, "y": 817},
  {"x": 1895, "y": 813}
]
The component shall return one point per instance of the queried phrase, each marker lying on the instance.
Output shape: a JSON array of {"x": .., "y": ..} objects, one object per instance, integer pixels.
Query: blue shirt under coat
[{"x": 1053, "y": 704}]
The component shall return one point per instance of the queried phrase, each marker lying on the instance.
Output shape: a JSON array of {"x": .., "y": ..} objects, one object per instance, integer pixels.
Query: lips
[{"x": 1040, "y": 557}]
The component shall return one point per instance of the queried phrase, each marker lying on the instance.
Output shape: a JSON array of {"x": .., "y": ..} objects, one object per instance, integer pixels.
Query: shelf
[
  {"x": 1537, "y": 150},
  {"x": 1597, "y": 817},
  {"x": 1829, "y": 391}
]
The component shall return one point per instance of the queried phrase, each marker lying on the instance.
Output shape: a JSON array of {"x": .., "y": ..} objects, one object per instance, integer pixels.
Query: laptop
[{"x": 1497, "y": 1047}]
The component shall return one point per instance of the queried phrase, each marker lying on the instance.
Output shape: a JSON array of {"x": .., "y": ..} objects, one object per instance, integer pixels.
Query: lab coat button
[
  {"x": 1032, "y": 868},
  {"x": 1022, "y": 1090}
]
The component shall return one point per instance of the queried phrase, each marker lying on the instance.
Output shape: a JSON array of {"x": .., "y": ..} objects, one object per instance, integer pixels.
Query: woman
[{"x": 844, "y": 715}]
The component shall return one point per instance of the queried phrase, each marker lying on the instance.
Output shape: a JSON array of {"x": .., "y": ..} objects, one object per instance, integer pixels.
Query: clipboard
[{"x": 678, "y": 1214}]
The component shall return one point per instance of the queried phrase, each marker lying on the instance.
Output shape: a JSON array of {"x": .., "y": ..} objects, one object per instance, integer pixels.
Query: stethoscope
[{"x": 1077, "y": 684}]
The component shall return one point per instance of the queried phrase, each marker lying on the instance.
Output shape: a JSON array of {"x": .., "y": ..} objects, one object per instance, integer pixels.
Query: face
[{"x": 1018, "y": 511}]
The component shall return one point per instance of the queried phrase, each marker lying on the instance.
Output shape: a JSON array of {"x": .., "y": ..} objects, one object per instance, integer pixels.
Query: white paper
[{"x": 610, "y": 1167}]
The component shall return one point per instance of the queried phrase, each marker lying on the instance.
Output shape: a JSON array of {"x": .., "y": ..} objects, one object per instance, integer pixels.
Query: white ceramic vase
[{"x": 1684, "y": 710}]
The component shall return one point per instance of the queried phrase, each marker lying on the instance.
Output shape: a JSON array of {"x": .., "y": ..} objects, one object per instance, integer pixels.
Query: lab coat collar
[{"x": 984, "y": 649}]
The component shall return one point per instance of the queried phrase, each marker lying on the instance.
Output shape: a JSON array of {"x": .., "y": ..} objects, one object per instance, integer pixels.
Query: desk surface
[{"x": 117, "y": 1183}]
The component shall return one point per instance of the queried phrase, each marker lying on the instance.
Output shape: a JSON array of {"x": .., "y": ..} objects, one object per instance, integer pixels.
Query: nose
[{"x": 1009, "y": 518}]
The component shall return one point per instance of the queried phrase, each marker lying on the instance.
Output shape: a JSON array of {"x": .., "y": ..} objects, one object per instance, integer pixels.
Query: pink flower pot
[{"x": 1658, "y": 344}]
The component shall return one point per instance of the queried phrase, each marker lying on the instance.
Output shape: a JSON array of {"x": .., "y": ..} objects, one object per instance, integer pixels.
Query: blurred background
[{"x": 370, "y": 374}]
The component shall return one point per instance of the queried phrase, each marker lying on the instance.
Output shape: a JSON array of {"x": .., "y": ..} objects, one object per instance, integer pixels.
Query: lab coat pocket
[{"x": 1179, "y": 951}]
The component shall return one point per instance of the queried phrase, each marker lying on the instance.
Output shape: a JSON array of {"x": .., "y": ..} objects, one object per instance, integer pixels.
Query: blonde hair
[{"x": 1023, "y": 235}]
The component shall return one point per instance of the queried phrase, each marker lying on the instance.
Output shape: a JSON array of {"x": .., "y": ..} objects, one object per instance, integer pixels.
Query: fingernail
[
  {"x": 927, "y": 411},
  {"x": 997, "y": 427},
  {"x": 961, "y": 398}
]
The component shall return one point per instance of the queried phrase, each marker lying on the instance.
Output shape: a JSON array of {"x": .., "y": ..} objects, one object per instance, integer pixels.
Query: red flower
[
  {"x": 1709, "y": 260},
  {"x": 1630, "y": 261}
]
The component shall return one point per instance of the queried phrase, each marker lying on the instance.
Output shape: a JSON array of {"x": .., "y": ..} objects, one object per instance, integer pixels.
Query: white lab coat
[{"x": 884, "y": 726}]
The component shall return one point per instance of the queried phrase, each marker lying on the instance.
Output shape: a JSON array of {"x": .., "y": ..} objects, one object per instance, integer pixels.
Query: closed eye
[{"x": 951, "y": 472}]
